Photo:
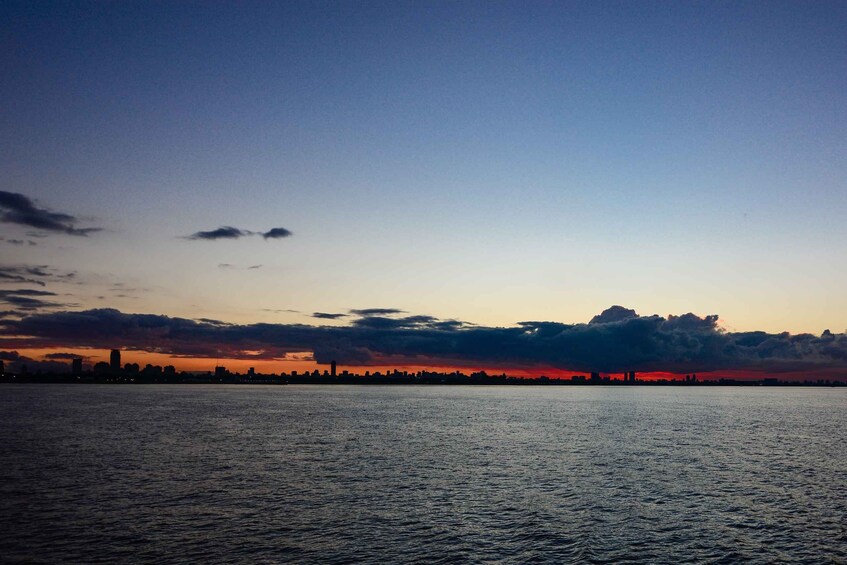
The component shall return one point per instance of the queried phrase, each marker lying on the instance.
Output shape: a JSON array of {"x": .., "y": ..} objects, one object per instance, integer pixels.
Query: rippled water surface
[{"x": 428, "y": 474}]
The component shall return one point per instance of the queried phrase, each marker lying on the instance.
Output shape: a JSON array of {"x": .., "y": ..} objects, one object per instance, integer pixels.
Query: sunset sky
[{"x": 465, "y": 166}]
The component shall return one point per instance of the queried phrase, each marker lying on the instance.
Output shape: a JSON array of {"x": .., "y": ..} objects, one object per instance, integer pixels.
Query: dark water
[{"x": 437, "y": 474}]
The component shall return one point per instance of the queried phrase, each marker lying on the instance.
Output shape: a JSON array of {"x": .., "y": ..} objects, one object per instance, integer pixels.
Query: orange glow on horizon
[{"x": 302, "y": 362}]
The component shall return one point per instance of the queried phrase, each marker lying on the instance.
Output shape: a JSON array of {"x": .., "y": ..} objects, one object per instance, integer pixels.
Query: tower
[
  {"x": 332, "y": 369},
  {"x": 115, "y": 360}
]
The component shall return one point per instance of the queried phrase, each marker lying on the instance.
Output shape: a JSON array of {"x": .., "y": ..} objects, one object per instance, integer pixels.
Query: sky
[{"x": 484, "y": 162}]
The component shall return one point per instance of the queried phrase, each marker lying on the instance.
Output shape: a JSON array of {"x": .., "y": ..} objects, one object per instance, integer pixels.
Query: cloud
[
  {"x": 223, "y": 232},
  {"x": 27, "y": 292},
  {"x": 19, "y": 209},
  {"x": 277, "y": 233},
  {"x": 229, "y": 232},
  {"x": 614, "y": 314},
  {"x": 231, "y": 266},
  {"x": 9, "y": 355},
  {"x": 63, "y": 355},
  {"x": 54, "y": 363},
  {"x": 32, "y": 274},
  {"x": 326, "y": 316},
  {"x": 611, "y": 344},
  {"x": 25, "y": 298},
  {"x": 18, "y": 241},
  {"x": 376, "y": 312},
  {"x": 16, "y": 278}
]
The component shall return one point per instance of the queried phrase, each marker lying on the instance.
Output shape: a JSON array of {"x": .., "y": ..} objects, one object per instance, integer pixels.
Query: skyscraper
[
  {"x": 115, "y": 360},
  {"x": 76, "y": 366},
  {"x": 332, "y": 369}
]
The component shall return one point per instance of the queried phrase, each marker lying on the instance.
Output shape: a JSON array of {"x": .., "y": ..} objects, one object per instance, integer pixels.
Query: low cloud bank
[{"x": 616, "y": 340}]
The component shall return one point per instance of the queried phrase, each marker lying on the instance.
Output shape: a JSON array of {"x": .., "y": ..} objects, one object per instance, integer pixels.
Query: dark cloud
[
  {"x": 55, "y": 356},
  {"x": 253, "y": 267},
  {"x": 18, "y": 241},
  {"x": 25, "y": 300},
  {"x": 32, "y": 274},
  {"x": 327, "y": 316},
  {"x": 51, "y": 364},
  {"x": 613, "y": 314},
  {"x": 376, "y": 312},
  {"x": 26, "y": 303},
  {"x": 229, "y": 232},
  {"x": 26, "y": 292},
  {"x": 13, "y": 277},
  {"x": 611, "y": 344},
  {"x": 223, "y": 232},
  {"x": 9, "y": 355},
  {"x": 19, "y": 209},
  {"x": 277, "y": 233}
]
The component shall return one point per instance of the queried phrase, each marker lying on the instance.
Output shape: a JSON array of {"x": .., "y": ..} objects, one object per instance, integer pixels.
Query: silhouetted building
[
  {"x": 220, "y": 372},
  {"x": 115, "y": 360},
  {"x": 251, "y": 372},
  {"x": 2, "y": 367},
  {"x": 631, "y": 376},
  {"x": 595, "y": 377},
  {"x": 332, "y": 369},
  {"x": 76, "y": 366}
]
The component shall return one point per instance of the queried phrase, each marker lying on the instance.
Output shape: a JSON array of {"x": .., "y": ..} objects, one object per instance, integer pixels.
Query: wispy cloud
[
  {"x": 18, "y": 241},
  {"x": 376, "y": 312},
  {"x": 33, "y": 274},
  {"x": 229, "y": 266},
  {"x": 19, "y": 209},
  {"x": 27, "y": 299}
]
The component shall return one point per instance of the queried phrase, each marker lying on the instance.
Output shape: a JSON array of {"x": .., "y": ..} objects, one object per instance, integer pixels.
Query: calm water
[{"x": 426, "y": 474}]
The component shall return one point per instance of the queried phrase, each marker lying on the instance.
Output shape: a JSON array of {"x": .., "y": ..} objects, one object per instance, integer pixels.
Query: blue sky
[{"x": 492, "y": 162}]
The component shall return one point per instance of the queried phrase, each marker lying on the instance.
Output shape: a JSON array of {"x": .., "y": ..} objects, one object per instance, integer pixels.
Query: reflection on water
[{"x": 436, "y": 474}]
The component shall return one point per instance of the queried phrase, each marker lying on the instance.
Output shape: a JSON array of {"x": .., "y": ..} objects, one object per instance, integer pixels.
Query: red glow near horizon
[{"x": 306, "y": 364}]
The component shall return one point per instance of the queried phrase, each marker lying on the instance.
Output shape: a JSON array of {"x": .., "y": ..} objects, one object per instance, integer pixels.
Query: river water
[{"x": 341, "y": 474}]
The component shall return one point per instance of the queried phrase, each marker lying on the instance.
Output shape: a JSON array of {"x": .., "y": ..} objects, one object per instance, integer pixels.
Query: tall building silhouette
[
  {"x": 76, "y": 366},
  {"x": 332, "y": 369},
  {"x": 115, "y": 360}
]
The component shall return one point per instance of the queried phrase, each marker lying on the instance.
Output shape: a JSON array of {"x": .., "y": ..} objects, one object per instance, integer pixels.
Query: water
[{"x": 422, "y": 474}]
